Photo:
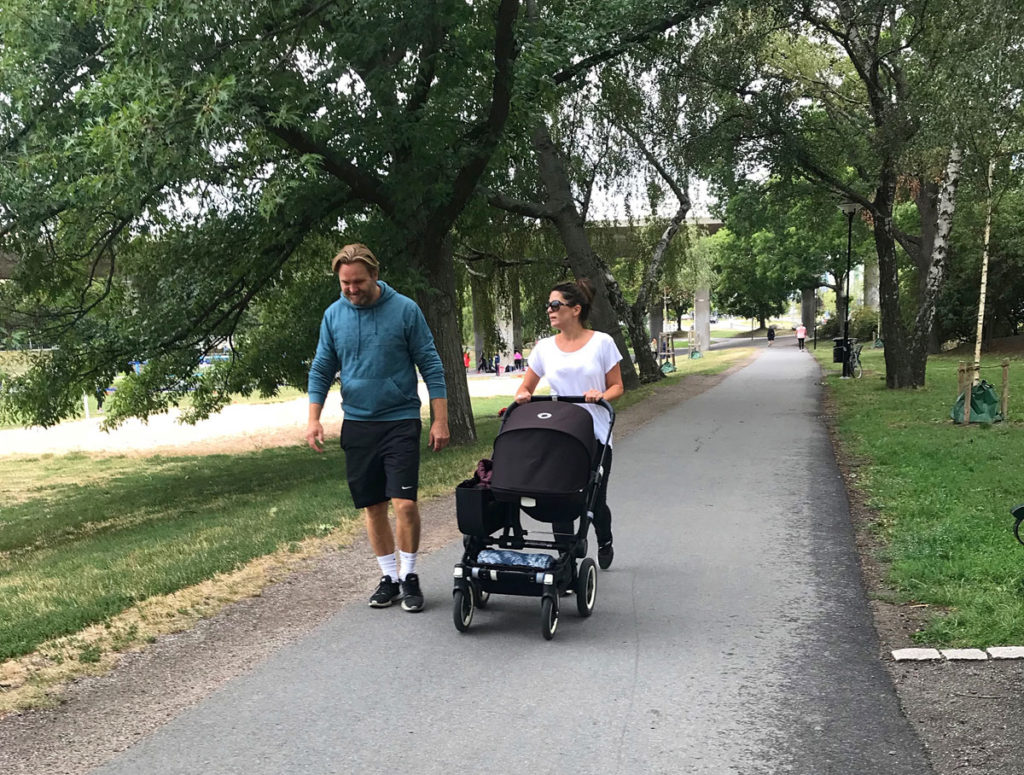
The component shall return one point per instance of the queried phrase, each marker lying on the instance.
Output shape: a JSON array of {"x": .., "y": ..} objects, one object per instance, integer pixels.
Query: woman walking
[{"x": 579, "y": 362}]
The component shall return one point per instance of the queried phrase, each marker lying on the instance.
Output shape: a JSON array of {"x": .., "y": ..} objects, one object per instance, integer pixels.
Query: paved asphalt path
[{"x": 730, "y": 636}]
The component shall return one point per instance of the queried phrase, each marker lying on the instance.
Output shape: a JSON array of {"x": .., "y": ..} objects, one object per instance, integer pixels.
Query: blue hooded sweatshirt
[{"x": 375, "y": 348}]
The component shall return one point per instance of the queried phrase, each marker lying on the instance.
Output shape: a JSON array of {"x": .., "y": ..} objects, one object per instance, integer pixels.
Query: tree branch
[
  {"x": 520, "y": 206},
  {"x": 429, "y": 53},
  {"x": 644, "y": 33},
  {"x": 363, "y": 185}
]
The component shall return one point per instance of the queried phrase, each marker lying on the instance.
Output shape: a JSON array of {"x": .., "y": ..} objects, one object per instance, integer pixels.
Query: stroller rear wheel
[
  {"x": 462, "y": 608},
  {"x": 586, "y": 588},
  {"x": 549, "y": 617},
  {"x": 480, "y": 596}
]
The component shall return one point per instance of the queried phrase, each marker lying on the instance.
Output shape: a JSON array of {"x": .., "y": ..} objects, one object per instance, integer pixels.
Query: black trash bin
[{"x": 838, "y": 350}]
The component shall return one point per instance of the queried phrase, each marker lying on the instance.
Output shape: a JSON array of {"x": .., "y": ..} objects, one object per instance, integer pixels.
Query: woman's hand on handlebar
[
  {"x": 593, "y": 396},
  {"x": 523, "y": 395}
]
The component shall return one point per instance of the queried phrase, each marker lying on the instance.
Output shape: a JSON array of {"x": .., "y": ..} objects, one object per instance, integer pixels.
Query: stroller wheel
[
  {"x": 586, "y": 588},
  {"x": 549, "y": 617},
  {"x": 462, "y": 608},
  {"x": 480, "y": 596}
]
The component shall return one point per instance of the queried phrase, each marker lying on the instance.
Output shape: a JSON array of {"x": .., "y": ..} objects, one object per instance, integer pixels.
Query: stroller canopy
[{"x": 544, "y": 449}]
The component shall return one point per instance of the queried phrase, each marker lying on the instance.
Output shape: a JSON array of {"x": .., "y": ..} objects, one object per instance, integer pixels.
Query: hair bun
[{"x": 586, "y": 289}]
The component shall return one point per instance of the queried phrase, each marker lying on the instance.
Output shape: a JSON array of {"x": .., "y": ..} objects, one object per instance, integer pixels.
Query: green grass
[
  {"x": 942, "y": 493},
  {"x": 92, "y": 536}
]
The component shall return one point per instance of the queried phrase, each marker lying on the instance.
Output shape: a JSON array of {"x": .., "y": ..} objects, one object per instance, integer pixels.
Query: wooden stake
[{"x": 1006, "y": 387}]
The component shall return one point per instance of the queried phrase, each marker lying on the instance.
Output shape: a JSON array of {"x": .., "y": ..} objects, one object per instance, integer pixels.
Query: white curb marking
[
  {"x": 916, "y": 655},
  {"x": 964, "y": 654},
  {"x": 1006, "y": 652}
]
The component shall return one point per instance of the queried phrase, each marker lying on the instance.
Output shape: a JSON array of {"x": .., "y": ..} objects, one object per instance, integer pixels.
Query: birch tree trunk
[{"x": 984, "y": 267}]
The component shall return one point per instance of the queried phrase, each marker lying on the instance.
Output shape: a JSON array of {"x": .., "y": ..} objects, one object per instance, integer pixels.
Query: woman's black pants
[{"x": 602, "y": 514}]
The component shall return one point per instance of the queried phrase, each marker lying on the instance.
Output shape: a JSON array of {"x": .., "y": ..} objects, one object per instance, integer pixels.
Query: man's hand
[
  {"x": 439, "y": 435},
  {"x": 315, "y": 435}
]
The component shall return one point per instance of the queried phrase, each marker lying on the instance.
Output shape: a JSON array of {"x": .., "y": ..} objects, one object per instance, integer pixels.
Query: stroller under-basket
[{"x": 546, "y": 465}]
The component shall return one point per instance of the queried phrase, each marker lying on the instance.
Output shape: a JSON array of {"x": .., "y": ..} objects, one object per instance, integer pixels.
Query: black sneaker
[
  {"x": 605, "y": 554},
  {"x": 387, "y": 592},
  {"x": 412, "y": 598}
]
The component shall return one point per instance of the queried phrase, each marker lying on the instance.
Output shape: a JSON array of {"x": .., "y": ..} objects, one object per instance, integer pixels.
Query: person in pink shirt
[{"x": 801, "y": 334}]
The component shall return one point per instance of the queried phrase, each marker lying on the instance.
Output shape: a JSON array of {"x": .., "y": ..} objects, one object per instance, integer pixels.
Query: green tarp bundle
[{"x": 984, "y": 405}]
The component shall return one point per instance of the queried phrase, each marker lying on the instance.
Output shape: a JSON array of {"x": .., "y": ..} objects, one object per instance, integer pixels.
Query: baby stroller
[{"x": 544, "y": 464}]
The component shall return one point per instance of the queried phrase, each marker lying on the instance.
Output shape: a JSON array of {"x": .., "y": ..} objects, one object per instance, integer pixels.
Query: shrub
[
  {"x": 863, "y": 324},
  {"x": 830, "y": 328}
]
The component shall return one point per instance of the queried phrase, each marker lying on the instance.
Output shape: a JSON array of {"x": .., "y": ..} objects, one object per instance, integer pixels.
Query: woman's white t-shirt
[{"x": 573, "y": 374}]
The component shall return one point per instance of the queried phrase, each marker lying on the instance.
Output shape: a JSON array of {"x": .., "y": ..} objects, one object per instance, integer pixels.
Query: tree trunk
[
  {"x": 871, "y": 284},
  {"x": 926, "y": 200},
  {"x": 656, "y": 314},
  {"x": 935, "y": 269},
  {"x": 478, "y": 293},
  {"x": 516, "y": 306},
  {"x": 438, "y": 305},
  {"x": 633, "y": 316},
  {"x": 582, "y": 259},
  {"x": 702, "y": 318},
  {"x": 809, "y": 307},
  {"x": 903, "y": 368}
]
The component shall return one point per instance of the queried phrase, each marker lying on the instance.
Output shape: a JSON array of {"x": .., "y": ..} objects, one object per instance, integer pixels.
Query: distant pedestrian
[
  {"x": 771, "y": 335},
  {"x": 801, "y": 335},
  {"x": 517, "y": 359},
  {"x": 497, "y": 365},
  {"x": 465, "y": 358}
]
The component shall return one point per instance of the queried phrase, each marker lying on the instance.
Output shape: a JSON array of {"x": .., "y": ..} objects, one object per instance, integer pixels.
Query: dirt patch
[
  {"x": 99, "y": 716},
  {"x": 968, "y": 715}
]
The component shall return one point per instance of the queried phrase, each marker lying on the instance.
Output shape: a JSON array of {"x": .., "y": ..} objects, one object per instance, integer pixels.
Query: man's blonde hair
[{"x": 356, "y": 252}]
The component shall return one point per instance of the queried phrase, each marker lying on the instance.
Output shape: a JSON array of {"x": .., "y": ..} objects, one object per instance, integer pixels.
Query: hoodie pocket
[{"x": 366, "y": 397}]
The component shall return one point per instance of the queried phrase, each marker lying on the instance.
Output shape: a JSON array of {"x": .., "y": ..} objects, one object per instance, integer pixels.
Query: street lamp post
[{"x": 850, "y": 209}]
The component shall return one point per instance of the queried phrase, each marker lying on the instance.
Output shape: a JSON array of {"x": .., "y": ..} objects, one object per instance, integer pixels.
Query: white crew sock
[
  {"x": 408, "y": 563},
  {"x": 388, "y": 566}
]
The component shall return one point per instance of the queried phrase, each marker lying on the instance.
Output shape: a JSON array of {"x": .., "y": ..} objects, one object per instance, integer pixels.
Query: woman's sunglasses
[{"x": 556, "y": 304}]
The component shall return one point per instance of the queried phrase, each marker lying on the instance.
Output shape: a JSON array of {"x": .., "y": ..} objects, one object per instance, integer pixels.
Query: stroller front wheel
[
  {"x": 548, "y": 617},
  {"x": 462, "y": 608}
]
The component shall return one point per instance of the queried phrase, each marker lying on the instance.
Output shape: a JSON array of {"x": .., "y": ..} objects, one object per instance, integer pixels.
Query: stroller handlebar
[{"x": 570, "y": 400}]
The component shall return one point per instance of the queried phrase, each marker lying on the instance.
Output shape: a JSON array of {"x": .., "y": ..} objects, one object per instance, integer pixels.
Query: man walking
[{"x": 375, "y": 337}]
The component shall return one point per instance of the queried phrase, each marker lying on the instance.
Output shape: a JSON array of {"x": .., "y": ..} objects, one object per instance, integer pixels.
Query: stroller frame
[{"x": 475, "y": 581}]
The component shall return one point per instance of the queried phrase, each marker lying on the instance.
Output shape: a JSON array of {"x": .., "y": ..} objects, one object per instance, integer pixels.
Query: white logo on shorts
[{"x": 407, "y": 487}]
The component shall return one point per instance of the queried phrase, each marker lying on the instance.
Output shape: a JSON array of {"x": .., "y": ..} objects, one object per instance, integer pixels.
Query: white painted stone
[
  {"x": 964, "y": 654},
  {"x": 1006, "y": 652},
  {"x": 916, "y": 655}
]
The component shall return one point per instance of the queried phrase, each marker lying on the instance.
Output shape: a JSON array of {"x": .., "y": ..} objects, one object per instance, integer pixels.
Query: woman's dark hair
[{"x": 580, "y": 292}]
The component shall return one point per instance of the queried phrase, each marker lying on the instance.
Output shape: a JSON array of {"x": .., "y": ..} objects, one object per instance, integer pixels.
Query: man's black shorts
[{"x": 382, "y": 460}]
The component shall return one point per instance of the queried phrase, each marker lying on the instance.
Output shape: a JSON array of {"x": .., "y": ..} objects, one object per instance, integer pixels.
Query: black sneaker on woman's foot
[
  {"x": 386, "y": 593},
  {"x": 605, "y": 553}
]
